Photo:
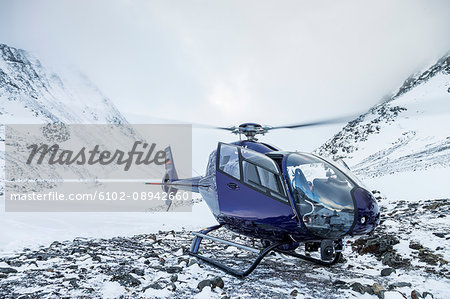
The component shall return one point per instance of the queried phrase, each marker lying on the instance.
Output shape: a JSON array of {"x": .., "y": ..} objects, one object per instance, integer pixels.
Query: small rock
[
  {"x": 415, "y": 294},
  {"x": 399, "y": 285},
  {"x": 155, "y": 286},
  {"x": 138, "y": 271},
  {"x": 217, "y": 282},
  {"x": 427, "y": 294},
  {"x": 150, "y": 254},
  {"x": 378, "y": 290},
  {"x": 8, "y": 270},
  {"x": 387, "y": 271},
  {"x": 294, "y": 293},
  {"x": 415, "y": 245},
  {"x": 357, "y": 287},
  {"x": 126, "y": 280},
  {"x": 394, "y": 260},
  {"x": 183, "y": 259},
  {"x": 55, "y": 243},
  {"x": 174, "y": 277},
  {"x": 440, "y": 235},
  {"x": 339, "y": 283},
  {"x": 173, "y": 269},
  {"x": 42, "y": 257},
  {"x": 204, "y": 283}
]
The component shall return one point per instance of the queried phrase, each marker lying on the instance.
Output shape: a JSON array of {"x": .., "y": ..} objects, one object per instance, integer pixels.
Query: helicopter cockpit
[{"x": 322, "y": 194}]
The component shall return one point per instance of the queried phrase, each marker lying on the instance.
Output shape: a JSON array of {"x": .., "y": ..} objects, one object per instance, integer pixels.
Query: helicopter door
[{"x": 249, "y": 188}]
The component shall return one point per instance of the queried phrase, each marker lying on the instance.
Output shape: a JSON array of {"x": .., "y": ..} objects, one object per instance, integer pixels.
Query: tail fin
[
  {"x": 171, "y": 173},
  {"x": 171, "y": 183}
]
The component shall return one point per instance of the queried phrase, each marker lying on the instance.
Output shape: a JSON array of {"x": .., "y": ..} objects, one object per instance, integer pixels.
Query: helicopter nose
[{"x": 368, "y": 213}]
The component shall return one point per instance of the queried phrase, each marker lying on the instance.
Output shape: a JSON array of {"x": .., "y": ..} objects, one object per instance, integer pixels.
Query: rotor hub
[{"x": 250, "y": 130}]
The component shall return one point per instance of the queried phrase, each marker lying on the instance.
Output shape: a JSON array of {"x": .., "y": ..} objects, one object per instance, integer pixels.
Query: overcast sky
[{"x": 225, "y": 62}]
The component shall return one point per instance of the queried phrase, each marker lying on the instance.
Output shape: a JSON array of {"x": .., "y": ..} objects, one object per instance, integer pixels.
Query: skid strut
[
  {"x": 241, "y": 274},
  {"x": 199, "y": 236}
]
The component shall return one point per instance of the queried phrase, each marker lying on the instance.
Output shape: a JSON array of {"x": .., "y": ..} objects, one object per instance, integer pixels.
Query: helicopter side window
[
  {"x": 250, "y": 173},
  {"x": 268, "y": 179},
  {"x": 262, "y": 179},
  {"x": 261, "y": 172},
  {"x": 259, "y": 159},
  {"x": 251, "y": 176},
  {"x": 229, "y": 160}
]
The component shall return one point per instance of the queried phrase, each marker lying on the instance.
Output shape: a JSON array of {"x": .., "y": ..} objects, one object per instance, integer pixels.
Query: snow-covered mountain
[
  {"x": 31, "y": 92},
  {"x": 406, "y": 137}
]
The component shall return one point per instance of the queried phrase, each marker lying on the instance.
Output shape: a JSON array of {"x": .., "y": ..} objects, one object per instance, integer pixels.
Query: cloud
[{"x": 225, "y": 62}]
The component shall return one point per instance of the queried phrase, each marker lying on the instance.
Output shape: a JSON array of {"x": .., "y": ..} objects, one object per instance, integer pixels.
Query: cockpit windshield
[{"x": 322, "y": 195}]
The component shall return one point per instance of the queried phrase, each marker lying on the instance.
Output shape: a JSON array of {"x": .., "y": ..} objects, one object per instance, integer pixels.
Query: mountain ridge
[
  {"x": 30, "y": 93},
  {"x": 31, "y": 90},
  {"x": 407, "y": 131}
]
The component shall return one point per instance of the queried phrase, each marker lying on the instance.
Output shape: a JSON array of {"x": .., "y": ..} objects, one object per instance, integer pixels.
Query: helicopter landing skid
[
  {"x": 311, "y": 259},
  {"x": 199, "y": 236}
]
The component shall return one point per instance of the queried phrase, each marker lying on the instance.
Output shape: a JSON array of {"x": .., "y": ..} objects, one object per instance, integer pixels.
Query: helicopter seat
[{"x": 303, "y": 184}]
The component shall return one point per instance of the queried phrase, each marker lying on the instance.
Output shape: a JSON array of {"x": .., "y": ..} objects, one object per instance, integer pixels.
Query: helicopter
[{"x": 281, "y": 198}]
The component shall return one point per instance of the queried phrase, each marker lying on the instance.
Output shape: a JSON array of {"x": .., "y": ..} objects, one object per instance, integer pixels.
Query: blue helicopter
[{"x": 282, "y": 198}]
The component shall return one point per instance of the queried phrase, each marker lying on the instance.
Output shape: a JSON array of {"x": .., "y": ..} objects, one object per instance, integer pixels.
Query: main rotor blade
[
  {"x": 204, "y": 126},
  {"x": 155, "y": 119},
  {"x": 336, "y": 120}
]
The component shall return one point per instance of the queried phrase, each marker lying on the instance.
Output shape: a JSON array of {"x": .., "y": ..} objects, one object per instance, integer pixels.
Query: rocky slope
[
  {"x": 406, "y": 258},
  {"x": 407, "y": 132},
  {"x": 31, "y": 93}
]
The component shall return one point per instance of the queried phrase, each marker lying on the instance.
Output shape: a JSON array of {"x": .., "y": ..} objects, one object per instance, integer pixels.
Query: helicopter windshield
[{"x": 322, "y": 195}]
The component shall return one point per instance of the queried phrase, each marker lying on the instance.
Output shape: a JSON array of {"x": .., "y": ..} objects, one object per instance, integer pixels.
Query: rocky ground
[{"x": 406, "y": 257}]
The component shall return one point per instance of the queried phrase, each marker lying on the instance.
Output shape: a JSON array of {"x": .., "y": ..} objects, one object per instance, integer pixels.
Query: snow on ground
[
  {"x": 414, "y": 185},
  {"x": 31, "y": 230},
  {"x": 404, "y": 257}
]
